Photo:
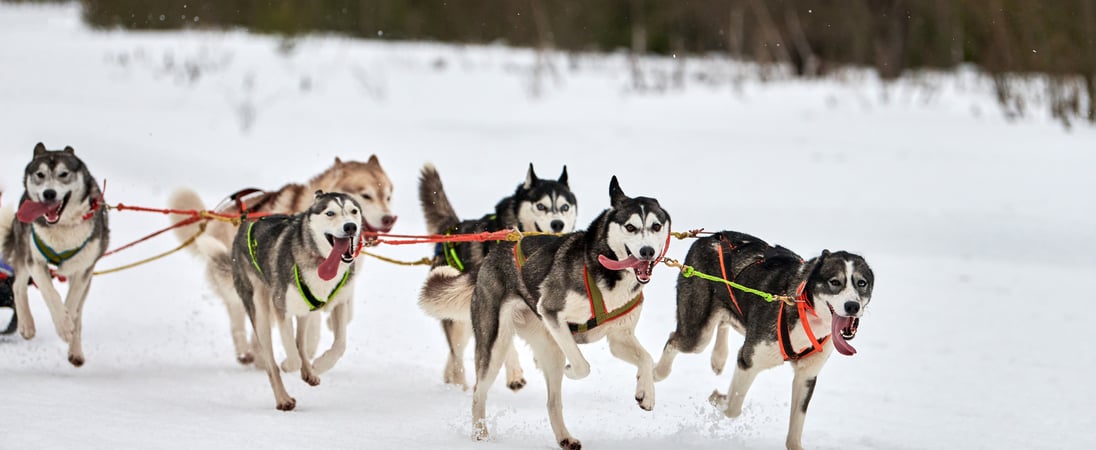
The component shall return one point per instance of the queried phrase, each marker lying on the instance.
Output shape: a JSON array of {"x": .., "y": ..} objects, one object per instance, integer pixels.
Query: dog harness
[
  {"x": 449, "y": 249},
  {"x": 310, "y": 299},
  {"x": 783, "y": 333},
  {"x": 598, "y": 314},
  {"x": 53, "y": 256}
]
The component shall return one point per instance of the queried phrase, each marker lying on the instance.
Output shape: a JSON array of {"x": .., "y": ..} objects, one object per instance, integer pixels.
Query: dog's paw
[
  {"x": 645, "y": 400},
  {"x": 291, "y": 365},
  {"x": 577, "y": 371},
  {"x": 287, "y": 405},
  {"x": 66, "y": 329},
  {"x": 245, "y": 358},
  {"x": 310, "y": 378},
  {"x": 26, "y": 329},
  {"x": 76, "y": 359},
  {"x": 570, "y": 444},
  {"x": 479, "y": 431},
  {"x": 516, "y": 385},
  {"x": 717, "y": 400}
]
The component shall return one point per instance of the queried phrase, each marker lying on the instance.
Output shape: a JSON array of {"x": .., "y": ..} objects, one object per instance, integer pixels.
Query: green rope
[{"x": 689, "y": 271}]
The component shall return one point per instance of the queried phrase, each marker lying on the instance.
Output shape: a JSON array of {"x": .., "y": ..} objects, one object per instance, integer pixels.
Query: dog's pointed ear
[
  {"x": 319, "y": 192},
  {"x": 373, "y": 160},
  {"x": 563, "y": 177},
  {"x": 39, "y": 149},
  {"x": 69, "y": 150},
  {"x": 530, "y": 178},
  {"x": 338, "y": 160},
  {"x": 616, "y": 195}
]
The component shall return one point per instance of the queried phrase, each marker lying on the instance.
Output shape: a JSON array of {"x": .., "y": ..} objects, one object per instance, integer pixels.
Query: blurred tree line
[{"x": 1006, "y": 38}]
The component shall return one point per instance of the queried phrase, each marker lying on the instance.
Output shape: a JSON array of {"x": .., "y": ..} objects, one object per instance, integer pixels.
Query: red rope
[{"x": 405, "y": 239}]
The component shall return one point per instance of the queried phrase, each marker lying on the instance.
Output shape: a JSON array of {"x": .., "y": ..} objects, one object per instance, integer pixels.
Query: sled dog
[
  {"x": 295, "y": 266},
  {"x": 366, "y": 182},
  {"x": 556, "y": 292},
  {"x": 61, "y": 223},
  {"x": 536, "y": 205},
  {"x": 832, "y": 291}
]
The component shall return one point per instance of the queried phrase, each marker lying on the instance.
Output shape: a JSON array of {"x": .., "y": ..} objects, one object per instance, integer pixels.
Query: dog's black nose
[
  {"x": 350, "y": 229},
  {"x": 49, "y": 195},
  {"x": 388, "y": 221},
  {"x": 851, "y": 308},
  {"x": 647, "y": 252},
  {"x": 557, "y": 226}
]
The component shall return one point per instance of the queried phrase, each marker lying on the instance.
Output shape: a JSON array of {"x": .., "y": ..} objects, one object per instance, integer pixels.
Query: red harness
[{"x": 783, "y": 335}]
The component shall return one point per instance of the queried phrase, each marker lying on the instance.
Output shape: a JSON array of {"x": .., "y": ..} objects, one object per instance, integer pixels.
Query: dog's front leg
[
  {"x": 61, "y": 320},
  {"x": 339, "y": 317},
  {"x": 22, "y": 307},
  {"x": 806, "y": 375},
  {"x": 624, "y": 345},
  {"x": 74, "y": 304},
  {"x": 307, "y": 373},
  {"x": 577, "y": 367}
]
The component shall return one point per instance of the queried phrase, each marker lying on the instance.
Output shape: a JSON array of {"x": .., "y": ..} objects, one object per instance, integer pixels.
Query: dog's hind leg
[
  {"x": 340, "y": 315},
  {"x": 752, "y": 359},
  {"x": 261, "y": 322},
  {"x": 624, "y": 345},
  {"x": 22, "y": 307},
  {"x": 307, "y": 373},
  {"x": 490, "y": 353},
  {"x": 457, "y": 334},
  {"x": 292, "y": 362},
  {"x": 691, "y": 338},
  {"x": 237, "y": 316},
  {"x": 806, "y": 375},
  {"x": 551, "y": 362},
  {"x": 61, "y": 319},
  {"x": 74, "y": 303}
]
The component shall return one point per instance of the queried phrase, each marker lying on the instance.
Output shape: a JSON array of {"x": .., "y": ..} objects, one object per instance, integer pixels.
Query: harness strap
[
  {"x": 306, "y": 293},
  {"x": 784, "y": 335},
  {"x": 449, "y": 250},
  {"x": 253, "y": 245},
  {"x": 53, "y": 256},
  {"x": 723, "y": 271}
]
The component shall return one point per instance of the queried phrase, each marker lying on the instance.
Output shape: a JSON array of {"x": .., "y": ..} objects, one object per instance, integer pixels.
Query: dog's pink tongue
[
  {"x": 641, "y": 267},
  {"x": 330, "y": 266},
  {"x": 839, "y": 343},
  {"x": 29, "y": 211}
]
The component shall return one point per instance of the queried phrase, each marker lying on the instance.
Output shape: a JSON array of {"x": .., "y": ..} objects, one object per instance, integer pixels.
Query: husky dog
[
  {"x": 559, "y": 291},
  {"x": 537, "y": 205},
  {"x": 60, "y": 223},
  {"x": 832, "y": 291},
  {"x": 298, "y": 266},
  {"x": 366, "y": 182}
]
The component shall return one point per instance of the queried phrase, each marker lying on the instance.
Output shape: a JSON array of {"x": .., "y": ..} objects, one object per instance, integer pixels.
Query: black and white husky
[
  {"x": 62, "y": 224},
  {"x": 832, "y": 291},
  {"x": 536, "y": 205},
  {"x": 295, "y": 266},
  {"x": 560, "y": 291}
]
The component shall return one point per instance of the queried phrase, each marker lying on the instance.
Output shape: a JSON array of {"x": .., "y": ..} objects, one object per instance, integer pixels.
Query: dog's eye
[
  {"x": 862, "y": 283},
  {"x": 63, "y": 175},
  {"x": 565, "y": 208},
  {"x": 40, "y": 175},
  {"x": 541, "y": 207},
  {"x": 656, "y": 227},
  {"x": 835, "y": 282},
  {"x": 354, "y": 211},
  {"x": 367, "y": 196},
  {"x": 630, "y": 228},
  {"x": 330, "y": 213}
]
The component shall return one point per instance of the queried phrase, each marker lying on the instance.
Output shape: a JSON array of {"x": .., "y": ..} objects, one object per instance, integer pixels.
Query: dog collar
[
  {"x": 598, "y": 315},
  {"x": 53, "y": 256},
  {"x": 306, "y": 293}
]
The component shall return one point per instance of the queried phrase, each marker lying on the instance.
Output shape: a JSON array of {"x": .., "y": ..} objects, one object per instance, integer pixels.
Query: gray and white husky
[
  {"x": 61, "y": 223},
  {"x": 536, "y": 205},
  {"x": 556, "y": 292},
  {"x": 295, "y": 266},
  {"x": 832, "y": 291}
]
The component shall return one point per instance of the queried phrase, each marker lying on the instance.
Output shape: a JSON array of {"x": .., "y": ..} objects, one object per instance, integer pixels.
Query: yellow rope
[
  {"x": 422, "y": 262},
  {"x": 201, "y": 229}
]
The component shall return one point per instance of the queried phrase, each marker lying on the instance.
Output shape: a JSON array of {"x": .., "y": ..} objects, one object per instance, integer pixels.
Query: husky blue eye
[
  {"x": 331, "y": 214},
  {"x": 565, "y": 208},
  {"x": 862, "y": 283},
  {"x": 541, "y": 207}
]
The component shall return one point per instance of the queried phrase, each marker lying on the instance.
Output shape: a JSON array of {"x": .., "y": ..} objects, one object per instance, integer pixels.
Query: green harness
[
  {"x": 598, "y": 314},
  {"x": 310, "y": 299},
  {"x": 53, "y": 256}
]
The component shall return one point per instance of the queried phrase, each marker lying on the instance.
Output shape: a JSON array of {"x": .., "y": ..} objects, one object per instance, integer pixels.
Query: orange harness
[{"x": 783, "y": 335}]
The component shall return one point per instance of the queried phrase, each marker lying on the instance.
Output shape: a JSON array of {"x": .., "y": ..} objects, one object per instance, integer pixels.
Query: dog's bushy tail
[
  {"x": 440, "y": 215},
  {"x": 447, "y": 294},
  {"x": 186, "y": 199}
]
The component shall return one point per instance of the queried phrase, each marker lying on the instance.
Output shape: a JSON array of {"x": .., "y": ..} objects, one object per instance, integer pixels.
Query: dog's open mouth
[
  {"x": 844, "y": 330},
  {"x": 342, "y": 250},
  {"x": 30, "y": 211},
  {"x": 642, "y": 267}
]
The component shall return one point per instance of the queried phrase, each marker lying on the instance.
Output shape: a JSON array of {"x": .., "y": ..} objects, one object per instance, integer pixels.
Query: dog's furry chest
[
  {"x": 295, "y": 303},
  {"x": 578, "y": 309},
  {"x": 65, "y": 238}
]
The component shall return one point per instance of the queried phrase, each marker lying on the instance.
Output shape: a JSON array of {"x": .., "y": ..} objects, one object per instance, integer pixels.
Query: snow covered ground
[{"x": 981, "y": 232}]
